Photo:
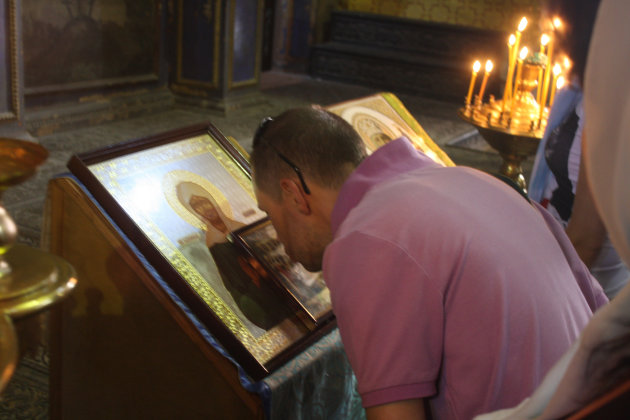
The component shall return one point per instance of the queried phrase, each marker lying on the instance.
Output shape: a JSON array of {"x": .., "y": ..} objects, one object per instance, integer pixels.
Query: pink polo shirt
[{"x": 450, "y": 286}]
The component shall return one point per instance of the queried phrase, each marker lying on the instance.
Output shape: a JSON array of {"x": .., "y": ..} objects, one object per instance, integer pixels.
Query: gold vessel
[
  {"x": 30, "y": 279},
  {"x": 512, "y": 126}
]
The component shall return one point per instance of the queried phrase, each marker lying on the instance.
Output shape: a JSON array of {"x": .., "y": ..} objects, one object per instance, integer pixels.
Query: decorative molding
[
  {"x": 259, "y": 21},
  {"x": 91, "y": 84},
  {"x": 50, "y": 120},
  {"x": 410, "y": 77},
  {"x": 227, "y": 91},
  {"x": 15, "y": 75},
  {"x": 179, "y": 79},
  {"x": 15, "y": 70},
  {"x": 404, "y": 55},
  {"x": 494, "y": 14},
  {"x": 224, "y": 105},
  {"x": 419, "y": 37}
]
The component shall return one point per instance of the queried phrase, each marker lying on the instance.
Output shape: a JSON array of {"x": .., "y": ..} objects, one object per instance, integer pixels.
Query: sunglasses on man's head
[{"x": 258, "y": 138}]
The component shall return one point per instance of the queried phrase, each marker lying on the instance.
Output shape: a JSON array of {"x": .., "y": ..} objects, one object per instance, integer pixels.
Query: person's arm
[
  {"x": 391, "y": 322},
  {"x": 585, "y": 228},
  {"x": 403, "y": 410}
]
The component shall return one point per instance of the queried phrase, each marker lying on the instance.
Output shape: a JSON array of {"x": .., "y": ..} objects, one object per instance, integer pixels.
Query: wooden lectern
[
  {"x": 124, "y": 346},
  {"x": 120, "y": 344}
]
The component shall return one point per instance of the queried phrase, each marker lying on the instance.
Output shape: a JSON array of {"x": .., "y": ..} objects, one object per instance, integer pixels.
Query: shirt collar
[{"x": 392, "y": 159}]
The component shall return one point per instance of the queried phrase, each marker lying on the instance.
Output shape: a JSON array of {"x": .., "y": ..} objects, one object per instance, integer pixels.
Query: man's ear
[{"x": 294, "y": 197}]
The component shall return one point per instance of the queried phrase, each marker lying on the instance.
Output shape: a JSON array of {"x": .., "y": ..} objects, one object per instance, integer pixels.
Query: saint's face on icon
[{"x": 210, "y": 214}]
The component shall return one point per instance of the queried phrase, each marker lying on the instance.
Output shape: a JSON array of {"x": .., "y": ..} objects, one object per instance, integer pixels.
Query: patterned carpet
[{"x": 26, "y": 396}]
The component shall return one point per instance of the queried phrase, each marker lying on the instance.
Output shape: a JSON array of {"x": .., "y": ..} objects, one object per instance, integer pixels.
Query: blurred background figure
[{"x": 558, "y": 179}]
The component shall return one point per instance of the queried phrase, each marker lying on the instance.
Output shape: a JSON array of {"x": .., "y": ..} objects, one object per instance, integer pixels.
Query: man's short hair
[{"x": 321, "y": 144}]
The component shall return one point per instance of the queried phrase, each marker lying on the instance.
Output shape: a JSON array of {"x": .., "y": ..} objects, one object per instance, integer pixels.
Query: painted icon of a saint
[
  {"x": 204, "y": 206},
  {"x": 374, "y": 128},
  {"x": 216, "y": 224}
]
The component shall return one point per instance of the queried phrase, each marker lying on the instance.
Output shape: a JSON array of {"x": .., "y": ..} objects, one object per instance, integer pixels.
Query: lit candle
[
  {"x": 566, "y": 62},
  {"x": 560, "y": 83},
  {"x": 507, "y": 91},
  {"x": 556, "y": 72},
  {"x": 544, "y": 40},
  {"x": 485, "y": 80},
  {"x": 519, "y": 71},
  {"x": 543, "y": 99},
  {"x": 521, "y": 27},
  {"x": 476, "y": 68}
]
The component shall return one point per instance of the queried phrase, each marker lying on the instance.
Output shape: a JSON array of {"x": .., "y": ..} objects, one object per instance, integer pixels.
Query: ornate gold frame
[
  {"x": 390, "y": 118},
  {"x": 131, "y": 182}
]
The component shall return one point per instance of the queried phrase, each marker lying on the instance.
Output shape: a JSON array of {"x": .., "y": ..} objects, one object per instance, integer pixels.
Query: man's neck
[{"x": 322, "y": 201}]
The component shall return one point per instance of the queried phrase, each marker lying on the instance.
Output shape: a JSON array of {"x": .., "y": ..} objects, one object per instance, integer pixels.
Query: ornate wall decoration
[
  {"x": 488, "y": 14},
  {"x": 88, "y": 42}
]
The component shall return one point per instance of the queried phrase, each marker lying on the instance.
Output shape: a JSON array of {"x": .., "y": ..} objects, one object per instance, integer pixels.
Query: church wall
[
  {"x": 83, "y": 62},
  {"x": 80, "y": 46},
  {"x": 502, "y": 15}
]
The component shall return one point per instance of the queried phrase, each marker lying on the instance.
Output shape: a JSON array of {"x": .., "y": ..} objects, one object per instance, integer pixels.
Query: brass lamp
[
  {"x": 515, "y": 124},
  {"x": 30, "y": 279},
  {"x": 512, "y": 127}
]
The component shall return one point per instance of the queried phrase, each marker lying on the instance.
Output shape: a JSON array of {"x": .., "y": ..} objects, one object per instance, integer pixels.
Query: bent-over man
[{"x": 452, "y": 292}]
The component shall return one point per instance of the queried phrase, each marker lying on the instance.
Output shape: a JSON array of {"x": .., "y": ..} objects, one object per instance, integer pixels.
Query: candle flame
[
  {"x": 511, "y": 40},
  {"x": 560, "y": 82},
  {"x": 557, "y": 23},
  {"x": 488, "y": 66},
  {"x": 476, "y": 66},
  {"x": 523, "y": 53},
  {"x": 544, "y": 39},
  {"x": 556, "y": 69},
  {"x": 523, "y": 24},
  {"x": 567, "y": 62}
]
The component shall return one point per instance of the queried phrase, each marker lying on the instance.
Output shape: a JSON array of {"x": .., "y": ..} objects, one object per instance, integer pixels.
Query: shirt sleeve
[{"x": 390, "y": 318}]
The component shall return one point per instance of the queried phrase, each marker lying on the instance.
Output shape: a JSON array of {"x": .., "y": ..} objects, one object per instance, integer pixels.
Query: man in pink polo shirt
[{"x": 452, "y": 292}]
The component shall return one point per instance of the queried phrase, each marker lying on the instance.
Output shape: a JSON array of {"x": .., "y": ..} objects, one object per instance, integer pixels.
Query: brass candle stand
[
  {"x": 30, "y": 279},
  {"x": 512, "y": 126}
]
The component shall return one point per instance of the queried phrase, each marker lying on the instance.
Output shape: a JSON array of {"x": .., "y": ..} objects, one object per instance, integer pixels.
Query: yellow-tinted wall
[{"x": 502, "y": 15}]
